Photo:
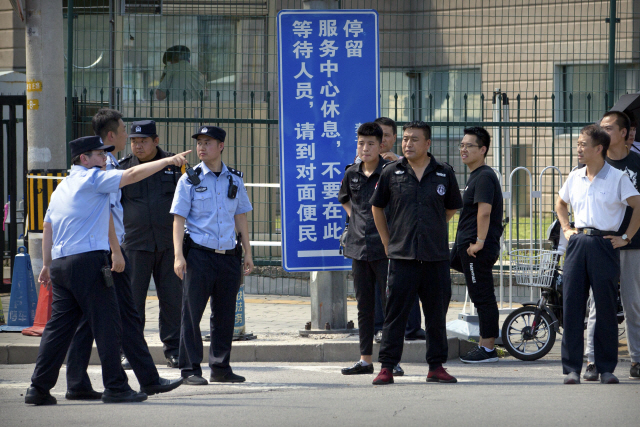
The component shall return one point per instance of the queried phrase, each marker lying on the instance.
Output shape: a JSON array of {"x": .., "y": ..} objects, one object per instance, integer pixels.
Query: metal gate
[
  {"x": 13, "y": 179},
  {"x": 533, "y": 74}
]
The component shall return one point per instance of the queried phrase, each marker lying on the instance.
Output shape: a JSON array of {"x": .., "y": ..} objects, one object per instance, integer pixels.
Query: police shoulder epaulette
[
  {"x": 387, "y": 164},
  {"x": 452, "y": 169},
  {"x": 348, "y": 166},
  {"x": 125, "y": 158},
  {"x": 235, "y": 172}
]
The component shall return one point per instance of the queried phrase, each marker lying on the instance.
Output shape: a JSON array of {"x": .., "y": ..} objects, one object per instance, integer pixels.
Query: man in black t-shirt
[
  {"x": 421, "y": 195},
  {"x": 478, "y": 239},
  {"x": 363, "y": 244}
]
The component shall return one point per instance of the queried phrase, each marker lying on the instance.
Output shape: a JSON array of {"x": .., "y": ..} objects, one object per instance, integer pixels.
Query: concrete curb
[{"x": 256, "y": 351}]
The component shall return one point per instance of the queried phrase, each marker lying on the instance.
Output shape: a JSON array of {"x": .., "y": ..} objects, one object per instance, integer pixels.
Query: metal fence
[{"x": 532, "y": 72}]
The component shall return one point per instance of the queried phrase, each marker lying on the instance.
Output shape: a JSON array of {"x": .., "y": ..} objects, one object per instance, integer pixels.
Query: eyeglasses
[
  {"x": 466, "y": 146},
  {"x": 99, "y": 153}
]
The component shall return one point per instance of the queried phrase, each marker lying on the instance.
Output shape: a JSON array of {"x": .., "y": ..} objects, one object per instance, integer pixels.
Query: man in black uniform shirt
[
  {"x": 148, "y": 240},
  {"x": 422, "y": 195},
  {"x": 414, "y": 329},
  {"x": 478, "y": 239},
  {"x": 363, "y": 244}
]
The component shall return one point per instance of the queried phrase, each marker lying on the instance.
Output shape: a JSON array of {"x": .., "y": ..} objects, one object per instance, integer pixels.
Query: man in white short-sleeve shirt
[{"x": 599, "y": 195}]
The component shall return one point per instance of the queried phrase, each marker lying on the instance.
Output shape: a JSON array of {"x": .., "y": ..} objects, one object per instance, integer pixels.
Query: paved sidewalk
[{"x": 276, "y": 321}]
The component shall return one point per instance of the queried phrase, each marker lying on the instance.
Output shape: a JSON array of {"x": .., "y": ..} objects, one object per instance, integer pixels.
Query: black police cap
[
  {"x": 143, "y": 129},
  {"x": 212, "y": 131},
  {"x": 88, "y": 143}
]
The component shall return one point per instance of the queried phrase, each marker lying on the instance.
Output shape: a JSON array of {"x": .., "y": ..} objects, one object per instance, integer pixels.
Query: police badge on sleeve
[{"x": 441, "y": 190}]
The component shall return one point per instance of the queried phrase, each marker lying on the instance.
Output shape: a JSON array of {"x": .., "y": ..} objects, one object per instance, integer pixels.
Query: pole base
[
  {"x": 245, "y": 337},
  {"x": 306, "y": 333}
]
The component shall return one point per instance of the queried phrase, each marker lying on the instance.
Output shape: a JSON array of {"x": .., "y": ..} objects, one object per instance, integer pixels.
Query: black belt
[
  {"x": 596, "y": 232},
  {"x": 218, "y": 251}
]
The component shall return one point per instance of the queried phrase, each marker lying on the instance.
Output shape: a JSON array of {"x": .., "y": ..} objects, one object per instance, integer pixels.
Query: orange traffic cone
[{"x": 43, "y": 313}]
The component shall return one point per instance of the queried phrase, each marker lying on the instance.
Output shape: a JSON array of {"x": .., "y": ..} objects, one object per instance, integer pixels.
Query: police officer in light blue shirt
[
  {"x": 75, "y": 245},
  {"x": 109, "y": 126},
  {"x": 210, "y": 205}
]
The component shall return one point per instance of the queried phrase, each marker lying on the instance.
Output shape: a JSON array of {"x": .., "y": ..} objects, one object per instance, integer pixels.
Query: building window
[
  {"x": 432, "y": 95},
  {"x": 582, "y": 91}
]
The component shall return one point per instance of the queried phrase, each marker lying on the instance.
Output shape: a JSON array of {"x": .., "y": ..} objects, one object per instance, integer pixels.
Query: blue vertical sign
[{"x": 329, "y": 84}]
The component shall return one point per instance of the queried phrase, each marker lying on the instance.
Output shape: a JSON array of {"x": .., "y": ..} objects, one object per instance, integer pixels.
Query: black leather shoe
[
  {"x": 398, "y": 371},
  {"x": 83, "y": 395},
  {"x": 125, "y": 363},
  {"x": 194, "y": 380},
  {"x": 34, "y": 396},
  {"x": 417, "y": 336},
  {"x": 164, "y": 385},
  {"x": 128, "y": 396},
  {"x": 172, "y": 361},
  {"x": 358, "y": 369},
  {"x": 229, "y": 377}
]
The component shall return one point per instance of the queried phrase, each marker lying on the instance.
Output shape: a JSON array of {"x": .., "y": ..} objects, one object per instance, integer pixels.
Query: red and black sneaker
[
  {"x": 440, "y": 375},
  {"x": 384, "y": 377}
]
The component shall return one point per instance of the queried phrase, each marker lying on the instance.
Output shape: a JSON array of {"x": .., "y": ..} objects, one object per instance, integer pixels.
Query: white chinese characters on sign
[{"x": 307, "y": 48}]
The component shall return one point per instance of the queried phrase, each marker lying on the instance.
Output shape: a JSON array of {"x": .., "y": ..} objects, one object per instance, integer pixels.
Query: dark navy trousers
[
  {"x": 414, "y": 323},
  {"x": 369, "y": 278},
  {"x": 79, "y": 290},
  {"x": 431, "y": 282},
  {"x": 215, "y": 276},
  {"x": 133, "y": 343},
  {"x": 169, "y": 290},
  {"x": 591, "y": 262}
]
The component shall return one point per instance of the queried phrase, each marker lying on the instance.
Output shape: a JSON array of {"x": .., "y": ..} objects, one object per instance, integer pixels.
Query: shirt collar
[
  {"x": 205, "y": 169},
  {"x": 602, "y": 174},
  {"x": 433, "y": 164},
  {"x": 113, "y": 160},
  {"x": 78, "y": 169},
  {"x": 381, "y": 162}
]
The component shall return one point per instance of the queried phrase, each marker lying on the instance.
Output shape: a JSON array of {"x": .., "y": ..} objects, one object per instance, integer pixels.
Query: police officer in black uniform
[
  {"x": 422, "y": 195},
  {"x": 148, "y": 229},
  {"x": 210, "y": 205}
]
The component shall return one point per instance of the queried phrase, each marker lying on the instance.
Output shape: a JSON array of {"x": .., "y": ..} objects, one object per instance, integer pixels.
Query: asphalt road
[{"x": 510, "y": 393}]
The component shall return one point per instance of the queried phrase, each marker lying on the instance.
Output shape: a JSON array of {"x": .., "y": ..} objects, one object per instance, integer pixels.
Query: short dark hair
[
  {"x": 598, "y": 137},
  {"x": 105, "y": 121},
  {"x": 632, "y": 119},
  {"x": 76, "y": 159},
  {"x": 426, "y": 129},
  {"x": 386, "y": 121},
  {"x": 371, "y": 129},
  {"x": 622, "y": 120},
  {"x": 482, "y": 136}
]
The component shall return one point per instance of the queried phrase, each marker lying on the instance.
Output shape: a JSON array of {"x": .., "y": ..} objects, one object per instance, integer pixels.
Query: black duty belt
[
  {"x": 194, "y": 245},
  {"x": 596, "y": 232}
]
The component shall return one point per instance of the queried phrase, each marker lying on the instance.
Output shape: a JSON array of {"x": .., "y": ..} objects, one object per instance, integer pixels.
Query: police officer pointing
[
  {"x": 75, "y": 245},
  {"x": 208, "y": 205}
]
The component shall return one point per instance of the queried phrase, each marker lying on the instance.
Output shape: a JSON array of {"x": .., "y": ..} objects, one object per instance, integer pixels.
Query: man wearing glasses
[
  {"x": 478, "y": 239},
  {"x": 148, "y": 240},
  {"x": 422, "y": 195}
]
